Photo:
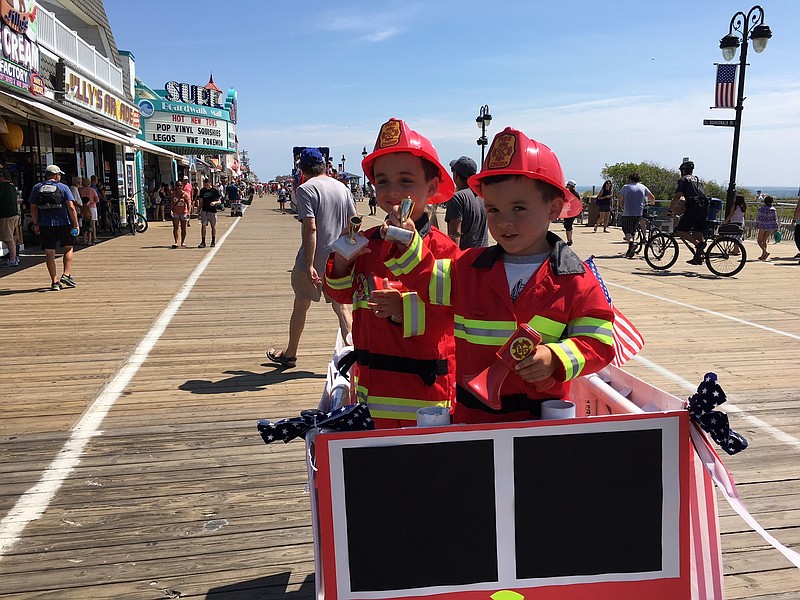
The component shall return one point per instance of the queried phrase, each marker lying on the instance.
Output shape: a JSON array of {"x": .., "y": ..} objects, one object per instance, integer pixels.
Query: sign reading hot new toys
[
  {"x": 199, "y": 119},
  {"x": 19, "y": 63}
]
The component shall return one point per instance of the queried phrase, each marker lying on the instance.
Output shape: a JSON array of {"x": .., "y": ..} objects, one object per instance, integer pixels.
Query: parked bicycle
[
  {"x": 643, "y": 233},
  {"x": 137, "y": 222},
  {"x": 724, "y": 255}
]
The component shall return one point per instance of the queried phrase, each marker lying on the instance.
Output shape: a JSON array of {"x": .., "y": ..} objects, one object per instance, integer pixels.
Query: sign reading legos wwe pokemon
[
  {"x": 502, "y": 151},
  {"x": 390, "y": 134}
]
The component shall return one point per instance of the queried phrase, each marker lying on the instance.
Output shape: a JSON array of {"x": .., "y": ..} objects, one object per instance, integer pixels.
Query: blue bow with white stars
[
  {"x": 353, "y": 417},
  {"x": 715, "y": 423}
]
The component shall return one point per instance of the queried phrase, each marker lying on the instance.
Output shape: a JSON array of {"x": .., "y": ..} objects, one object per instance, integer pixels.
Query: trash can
[
  {"x": 714, "y": 210},
  {"x": 593, "y": 212}
]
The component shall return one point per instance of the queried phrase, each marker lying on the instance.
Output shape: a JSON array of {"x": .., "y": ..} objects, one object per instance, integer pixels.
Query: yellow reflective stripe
[
  {"x": 550, "y": 330},
  {"x": 361, "y": 392},
  {"x": 382, "y": 407},
  {"x": 483, "y": 333},
  {"x": 439, "y": 286},
  {"x": 569, "y": 355},
  {"x": 598, "y": 329},
  {"x": 340, "y": 283},
  {"x": 408, "y": 260},
  {"x": 360, "y": 304},
  {"x": 413, "y": 315}
]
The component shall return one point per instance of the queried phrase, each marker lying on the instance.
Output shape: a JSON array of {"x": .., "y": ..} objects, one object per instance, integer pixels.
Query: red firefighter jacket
[
  {"x": 562, "y": 301},
  {"x": 401, "y": 366}
]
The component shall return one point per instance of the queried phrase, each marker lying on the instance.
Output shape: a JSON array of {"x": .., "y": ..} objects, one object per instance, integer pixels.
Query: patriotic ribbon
[
  {"x": 353, "y": 417},
  {"x": 715, "y": 423}
]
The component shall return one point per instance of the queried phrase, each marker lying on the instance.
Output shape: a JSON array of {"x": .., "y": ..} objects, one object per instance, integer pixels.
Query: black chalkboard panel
[
  {"x": 588, "y": 504},
  {"x": 420, "y": 515}
]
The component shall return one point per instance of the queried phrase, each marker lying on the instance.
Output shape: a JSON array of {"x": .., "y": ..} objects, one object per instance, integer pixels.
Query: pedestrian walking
[
  {"x": 9, "y": 218},
  {"x": 180, "y": 207},
  {"x": 209, "y": 204},
  {"x": 90, "y": 201},
  {"x": 55, "y": 221},
  {"x": 161, "y": 200},
  {"x": 324, "y": 207},
  {"x": 103, "y": 207},
  {"x": 603, "y": 203},
  {"x": 373, "y": 199},
  {"x": 767, "y": 225},
  {"x": 568, "y": 221}
]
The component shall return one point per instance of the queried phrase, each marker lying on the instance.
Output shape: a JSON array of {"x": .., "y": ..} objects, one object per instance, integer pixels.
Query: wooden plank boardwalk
[{"x": 178, "y": 497}]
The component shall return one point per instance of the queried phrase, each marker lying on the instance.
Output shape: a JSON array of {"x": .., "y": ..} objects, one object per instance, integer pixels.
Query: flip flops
[{"x": 279, "y": 358}]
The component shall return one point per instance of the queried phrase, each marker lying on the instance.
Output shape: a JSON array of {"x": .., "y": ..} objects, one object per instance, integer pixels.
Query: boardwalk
[{"x": 176, "y": 495}]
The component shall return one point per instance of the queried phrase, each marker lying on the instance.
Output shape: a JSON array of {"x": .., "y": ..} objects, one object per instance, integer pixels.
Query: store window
[{"x": 64, "y": 154}]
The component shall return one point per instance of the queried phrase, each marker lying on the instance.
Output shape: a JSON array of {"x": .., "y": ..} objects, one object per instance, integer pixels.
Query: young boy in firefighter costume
[
  {"x": 530, "y": 278},
  {"x": 405, "y": 348}
]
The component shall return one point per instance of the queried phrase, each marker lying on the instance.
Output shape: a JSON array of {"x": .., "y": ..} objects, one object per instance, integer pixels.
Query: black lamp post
[
  {"x": 484, "y": 120},
  {"x": 343, "y": 161},
  {"x": 364, "y": 157},
  {"x": 749, "y": 26}
]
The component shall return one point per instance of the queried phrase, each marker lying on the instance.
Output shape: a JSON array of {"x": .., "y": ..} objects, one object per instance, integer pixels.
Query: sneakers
[
  {"x": 55, "y": 287},
  {"x": 201, "y": 245},
  {"x": 697, "y": 260},
  {"x": 11, "y": 263},
  {"x": 67, "y": 281}
]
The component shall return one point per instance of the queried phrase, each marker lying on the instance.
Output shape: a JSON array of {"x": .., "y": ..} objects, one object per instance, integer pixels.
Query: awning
[{"x": 28, "y": 108}]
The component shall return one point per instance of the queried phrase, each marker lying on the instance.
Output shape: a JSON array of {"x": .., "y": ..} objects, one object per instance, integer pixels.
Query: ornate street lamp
[
  {"x": 484, "y": 120},
  {"x": 749, "y": 26},
  {"x": 364, "y": 183},
  {"x": 343, "y": 161}
]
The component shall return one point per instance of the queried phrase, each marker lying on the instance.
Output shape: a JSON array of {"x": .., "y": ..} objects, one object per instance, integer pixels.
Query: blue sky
[{"x": 599, "y": 82}]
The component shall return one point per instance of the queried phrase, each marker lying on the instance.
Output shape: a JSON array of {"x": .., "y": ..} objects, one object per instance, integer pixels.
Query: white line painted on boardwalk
[
  {"x": 32, "y": 504},
  {"x": 705, "y": 310},
  {"x": 776, "y": 433}
]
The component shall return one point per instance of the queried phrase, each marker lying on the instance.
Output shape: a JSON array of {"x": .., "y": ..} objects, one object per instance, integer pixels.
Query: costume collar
[{"x": 563, "y": 260}]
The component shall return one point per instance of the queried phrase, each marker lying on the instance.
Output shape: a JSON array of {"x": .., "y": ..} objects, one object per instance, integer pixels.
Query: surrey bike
[{"x": 724, "y": 255}]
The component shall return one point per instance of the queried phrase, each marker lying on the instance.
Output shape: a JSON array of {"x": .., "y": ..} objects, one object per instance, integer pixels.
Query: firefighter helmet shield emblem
[
  {"x": 502, "y": 151},
  {"x": 390, "y": 134}
]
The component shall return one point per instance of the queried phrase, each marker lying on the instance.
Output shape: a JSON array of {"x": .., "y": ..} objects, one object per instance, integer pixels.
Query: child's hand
[
  {"x": 385, "y": 303},
  {"x": 393, "y": 219},
  {"x": 538, "y": 366}
]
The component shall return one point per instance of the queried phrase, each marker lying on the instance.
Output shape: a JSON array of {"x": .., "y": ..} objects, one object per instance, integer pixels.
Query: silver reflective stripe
[
  {"x": 588, "y": 330},
  {"x": 477, "y": 331},
  {"x": 376, "y": 407}
]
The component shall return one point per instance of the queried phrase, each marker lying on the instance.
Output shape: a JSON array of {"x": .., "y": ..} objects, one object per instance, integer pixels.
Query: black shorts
[
  {"x": 629, "y": 224},
  {"x": 60, "y": 233},
  {"x": 568, "y": 223},
  {"x": 694, "y": 219}
]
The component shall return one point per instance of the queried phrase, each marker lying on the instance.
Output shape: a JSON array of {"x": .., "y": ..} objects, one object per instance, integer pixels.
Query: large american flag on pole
[
  {"x": 724, "y": 91},
  {"x": 627, "y": 340}
]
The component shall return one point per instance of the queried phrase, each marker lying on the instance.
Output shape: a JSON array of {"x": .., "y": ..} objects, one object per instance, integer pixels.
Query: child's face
[
  {"x": 400, "y": 175},
  {"x": 518, "y": 215}
]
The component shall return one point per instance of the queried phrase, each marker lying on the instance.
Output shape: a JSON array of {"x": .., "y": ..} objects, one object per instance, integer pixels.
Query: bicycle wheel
[
  {"x": 726, "y": 256},
  {"x": 141, "y": 223},
  {"x": 661, "y": 251}
]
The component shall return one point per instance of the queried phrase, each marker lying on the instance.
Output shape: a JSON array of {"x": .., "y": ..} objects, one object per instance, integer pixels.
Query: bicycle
[
  {"x": 724, "y": 256},
  {"x": 641, "y": 236},
  {"x": 137, "y": 222}
]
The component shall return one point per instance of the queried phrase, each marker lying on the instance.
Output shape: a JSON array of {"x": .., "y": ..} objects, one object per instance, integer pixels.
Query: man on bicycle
[{"x": 692, "y": 223}]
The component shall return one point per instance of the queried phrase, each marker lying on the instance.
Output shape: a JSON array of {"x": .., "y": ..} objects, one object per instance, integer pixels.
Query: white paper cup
[
  {"x": 557, "y": 409},
  {"x": 433, "y": 416}
]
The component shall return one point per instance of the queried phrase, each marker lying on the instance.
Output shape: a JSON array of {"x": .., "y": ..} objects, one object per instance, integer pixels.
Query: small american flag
[
  {"x": 627, "y": 340},
  {"x": 726, "y": 80}
]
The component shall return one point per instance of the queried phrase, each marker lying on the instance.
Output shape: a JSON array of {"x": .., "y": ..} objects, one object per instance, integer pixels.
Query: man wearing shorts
[
  {"x": 693, "y": 221},
  {"x": 55, "y": 220},
  {"x": 209, "y": 203},
  {"x": 9, "y": 218},
  {"x": 324, "y": 207},
  {"x": 633, "y": 198}
]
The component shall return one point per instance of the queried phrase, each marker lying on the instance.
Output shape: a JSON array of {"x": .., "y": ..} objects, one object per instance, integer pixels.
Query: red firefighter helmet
[
  {"x": 514, "y": 153},
  {"x": 396, "y": 136}
]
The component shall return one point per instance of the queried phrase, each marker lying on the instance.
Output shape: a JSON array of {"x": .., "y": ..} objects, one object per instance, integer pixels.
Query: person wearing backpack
[
  {"x": 55, "y": 220},
  {"x": 693, "y": 221}
]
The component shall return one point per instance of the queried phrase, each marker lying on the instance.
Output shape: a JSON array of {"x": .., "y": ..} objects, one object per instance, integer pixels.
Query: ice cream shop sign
[
  {"x": 20, "y": 52},
  {"x": 84, "y": 92}
]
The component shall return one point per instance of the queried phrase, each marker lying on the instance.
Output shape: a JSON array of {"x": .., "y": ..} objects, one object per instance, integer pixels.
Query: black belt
[
  {"x": 427, "y": 369},
  {"x": 511, "y": 403}
]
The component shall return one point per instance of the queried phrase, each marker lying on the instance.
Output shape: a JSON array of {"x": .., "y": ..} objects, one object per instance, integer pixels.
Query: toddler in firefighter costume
[
  {"x": 405, "y": 348},
  {"x": 529, "y": 277}
]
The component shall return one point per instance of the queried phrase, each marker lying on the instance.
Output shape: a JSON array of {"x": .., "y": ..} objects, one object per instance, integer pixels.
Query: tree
[{"x": 659, "y": 180}]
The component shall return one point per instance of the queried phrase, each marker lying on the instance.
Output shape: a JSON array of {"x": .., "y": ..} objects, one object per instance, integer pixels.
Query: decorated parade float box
[{"x": 611, "y": 504}]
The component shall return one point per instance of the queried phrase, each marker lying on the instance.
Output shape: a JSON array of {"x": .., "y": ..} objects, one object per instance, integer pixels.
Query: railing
[{"x": 56, "y": 36}]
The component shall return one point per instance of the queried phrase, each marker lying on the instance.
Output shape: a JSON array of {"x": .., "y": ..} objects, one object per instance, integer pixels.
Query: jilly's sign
[{"x": 86, "y": 93}]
